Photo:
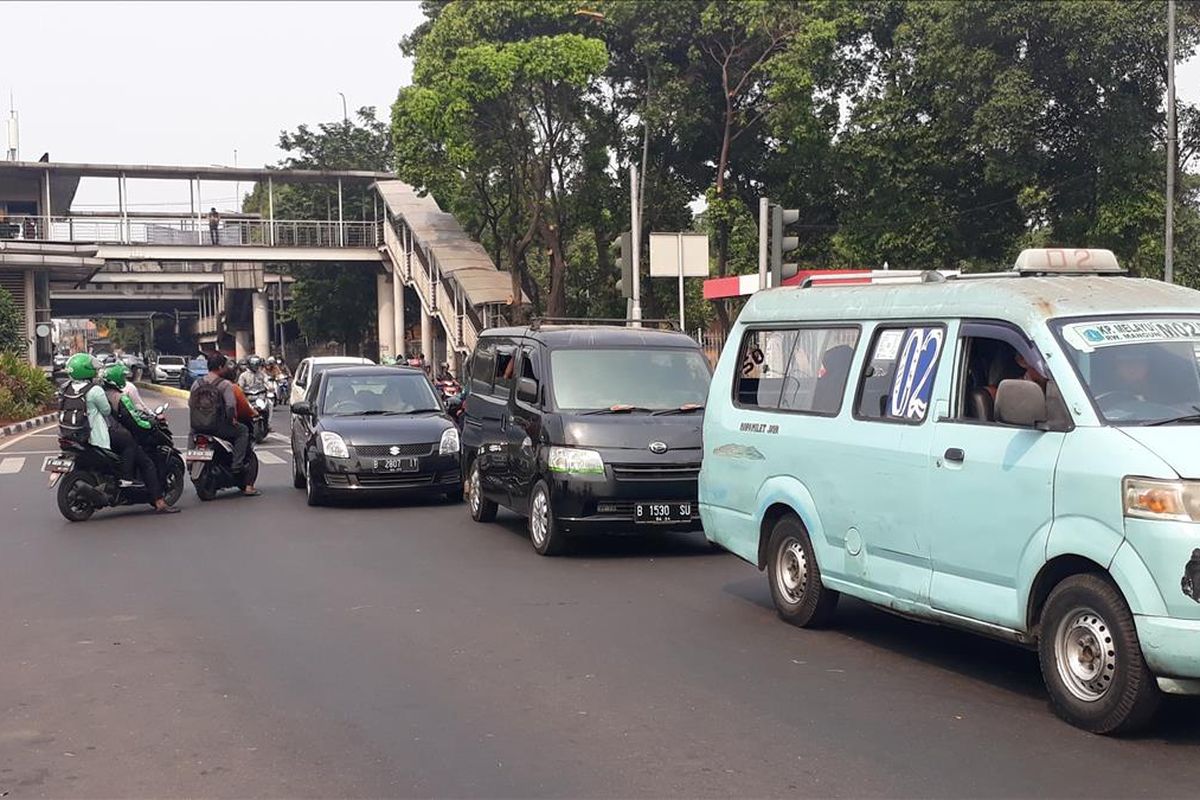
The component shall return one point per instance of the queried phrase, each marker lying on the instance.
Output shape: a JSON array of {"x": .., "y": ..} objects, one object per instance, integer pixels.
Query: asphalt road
[{"x": 255, "y": 647}]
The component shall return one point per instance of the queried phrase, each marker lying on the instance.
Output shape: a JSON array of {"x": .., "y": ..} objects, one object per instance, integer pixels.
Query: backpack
[
  {"x": 72, "y": 412},
  {"x": 207, "y": 405}
]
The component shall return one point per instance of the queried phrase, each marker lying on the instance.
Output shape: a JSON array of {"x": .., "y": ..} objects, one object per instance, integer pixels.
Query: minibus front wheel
[
  {"x": 796, "y": 588},
  {"x": 1091, "y": 659}
]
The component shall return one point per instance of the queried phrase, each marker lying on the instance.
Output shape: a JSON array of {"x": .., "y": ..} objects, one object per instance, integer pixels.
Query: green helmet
[
  {"x": 81, "y": 367},
  {"x": 115, "y": 376}
]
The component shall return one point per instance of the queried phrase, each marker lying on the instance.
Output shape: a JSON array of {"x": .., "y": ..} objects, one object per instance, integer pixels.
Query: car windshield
[
  {"x": 170, "y": 361},
  {"x": 198, "y": 364},
  {"x": 1138, "y": 370},
  {"x": 355, "y": 395},
  {"x": 636, "y": 378}
]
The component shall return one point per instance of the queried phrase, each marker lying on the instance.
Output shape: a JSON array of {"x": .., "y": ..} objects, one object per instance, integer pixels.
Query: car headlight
[
  {"x": 576, "y": 461},
  {"x": 333, "y": 445},
  {"x": 1146, "y": 498},
  {"x": 449, "y": 443}
]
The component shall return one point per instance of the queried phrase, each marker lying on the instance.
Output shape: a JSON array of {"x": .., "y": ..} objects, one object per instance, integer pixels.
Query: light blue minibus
[{"x": 1017, "y": 454}]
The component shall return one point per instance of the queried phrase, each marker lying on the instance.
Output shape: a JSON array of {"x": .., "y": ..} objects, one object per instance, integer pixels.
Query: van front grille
[{"x": 656, "y": 472}]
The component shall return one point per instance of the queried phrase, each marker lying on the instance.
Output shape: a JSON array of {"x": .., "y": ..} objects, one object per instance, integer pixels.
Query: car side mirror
[
  {"x": 527, "y": 391},
  {"x": 1020, "y": 402},
  {"x": 302, "y": 408}
]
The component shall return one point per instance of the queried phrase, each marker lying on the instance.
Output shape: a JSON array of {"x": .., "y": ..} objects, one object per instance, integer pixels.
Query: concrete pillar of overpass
[
  {"x": 241, "y": 344},
  {"x": 398, "y": 314},
  {"x": 262, "y": 324},
  {"x": 427, "y": 335},
  {"x": 386, "y": 317}
]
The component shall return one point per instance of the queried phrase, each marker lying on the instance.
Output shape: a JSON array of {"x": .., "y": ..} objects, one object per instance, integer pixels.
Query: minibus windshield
[
  {"x": 1138, "y": 370},
  {"x": 640, "y": 379}
]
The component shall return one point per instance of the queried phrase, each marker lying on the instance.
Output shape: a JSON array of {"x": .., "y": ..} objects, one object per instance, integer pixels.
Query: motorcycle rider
[
  {"x": 126, "y": 421},
  {"x": 227, "y": 424},
  {"x": 253, "y": 379},
  {"x": 82, "y": 369}
]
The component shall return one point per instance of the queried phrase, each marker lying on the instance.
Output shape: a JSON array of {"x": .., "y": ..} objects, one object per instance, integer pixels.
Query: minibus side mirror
[
  {"x": 302, "y": 408},
  {"x": 527, "y": 391},
  {"x": 1020, "y": 402}
]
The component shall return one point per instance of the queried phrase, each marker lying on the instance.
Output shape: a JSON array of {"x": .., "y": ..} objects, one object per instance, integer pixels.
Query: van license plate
[
  {"x": 662, "y": 512},
  {"x": 396, "y": 464}
]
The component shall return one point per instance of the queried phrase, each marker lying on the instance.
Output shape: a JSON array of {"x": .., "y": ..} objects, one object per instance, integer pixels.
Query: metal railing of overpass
[{"x": 175, "y": 231}]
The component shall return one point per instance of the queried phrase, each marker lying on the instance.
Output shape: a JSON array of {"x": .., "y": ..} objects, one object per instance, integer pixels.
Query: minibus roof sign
[{"x": 1067, "y": 261}]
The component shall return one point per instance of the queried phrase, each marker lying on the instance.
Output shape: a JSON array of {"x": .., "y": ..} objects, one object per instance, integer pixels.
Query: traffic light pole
[
  {"x": 764, "y": 228},
  {"x": 636, "y": 227}
]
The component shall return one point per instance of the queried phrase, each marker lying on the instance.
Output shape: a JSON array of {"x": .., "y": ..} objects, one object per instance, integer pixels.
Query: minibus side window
[
  {"x": 803, "y": 370},
  {"x": 505, "y": 364},
  {"x": 481, "y": 368},
  {"x": 898, "y": 374}
]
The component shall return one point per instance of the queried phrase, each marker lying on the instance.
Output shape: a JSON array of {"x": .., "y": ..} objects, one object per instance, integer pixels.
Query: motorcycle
[
  {"x": 89, "y": 478},
  {"x": 210, "y": 464},
  {"x": 262, "y": 402},
  {"x": 277, "y": 390},
  {"x": 448, "y": 387},
  {"x": 283, "y": 390},
  {"x": 456, "y": 407}
]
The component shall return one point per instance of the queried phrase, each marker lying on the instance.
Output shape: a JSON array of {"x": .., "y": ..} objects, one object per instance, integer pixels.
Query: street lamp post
[
  {"x": 345, "y": 116},
  {"x": 1169, "y": 245}
]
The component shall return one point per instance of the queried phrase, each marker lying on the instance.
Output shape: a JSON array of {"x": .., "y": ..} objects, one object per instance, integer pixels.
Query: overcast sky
[{"x": 189, "y": 83}]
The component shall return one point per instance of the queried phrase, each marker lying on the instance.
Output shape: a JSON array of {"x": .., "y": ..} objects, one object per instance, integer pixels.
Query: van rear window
[{"x": 797, "y": 369}]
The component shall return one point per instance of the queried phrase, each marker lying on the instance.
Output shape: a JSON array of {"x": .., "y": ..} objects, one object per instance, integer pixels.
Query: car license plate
[
  {"x": 58, "y": 465},
  {"x": 662, "y": 512},
  {"x": 198, "y": 455},
  {"x": 396, "y": 464}
]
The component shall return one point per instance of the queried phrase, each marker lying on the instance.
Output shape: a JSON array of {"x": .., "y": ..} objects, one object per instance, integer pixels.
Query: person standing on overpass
[{"x": 214, "y": 224}]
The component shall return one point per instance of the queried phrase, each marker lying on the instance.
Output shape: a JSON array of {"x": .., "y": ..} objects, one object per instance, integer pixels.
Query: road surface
[{"x": 256, "y": 647}]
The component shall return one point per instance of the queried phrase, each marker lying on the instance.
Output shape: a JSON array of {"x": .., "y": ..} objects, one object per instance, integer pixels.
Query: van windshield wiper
[
  {"x": 1183, "y": 418},
  {"x": 617, "y": 409},
  {"x": 686, "y": 408}
]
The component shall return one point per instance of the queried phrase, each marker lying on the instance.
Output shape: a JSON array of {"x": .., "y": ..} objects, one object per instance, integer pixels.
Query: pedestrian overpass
[{"x": 436, "y": 288}]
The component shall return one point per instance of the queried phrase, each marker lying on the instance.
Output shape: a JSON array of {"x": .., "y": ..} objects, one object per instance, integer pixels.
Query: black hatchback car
[
  {"x": 366, "y": 430},
  {"x": 585, "y": 428}
]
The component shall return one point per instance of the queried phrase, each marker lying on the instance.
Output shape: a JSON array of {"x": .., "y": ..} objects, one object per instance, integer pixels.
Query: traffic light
[
  {"x": 780, "y": 244},
  {"x": 623, "y": 244}
]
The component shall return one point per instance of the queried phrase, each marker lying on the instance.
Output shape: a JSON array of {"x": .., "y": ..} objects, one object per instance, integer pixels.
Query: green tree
[{"x": 12, "y": 325}]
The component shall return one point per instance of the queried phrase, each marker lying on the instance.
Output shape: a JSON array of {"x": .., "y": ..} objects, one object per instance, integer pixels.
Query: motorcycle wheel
[
  {"x": 260, "y": 433},
  {"x": 205, "y": 485},
  {"x": 71, "y": 503},
  {"x": 173, "y": 483}
]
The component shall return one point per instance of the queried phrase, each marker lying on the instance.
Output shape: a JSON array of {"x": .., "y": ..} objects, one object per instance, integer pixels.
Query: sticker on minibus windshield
[
  {"x": 1088, "y": 336},
  {"x": 913, "y": 384},
  {"x": 888, "y": 345}
]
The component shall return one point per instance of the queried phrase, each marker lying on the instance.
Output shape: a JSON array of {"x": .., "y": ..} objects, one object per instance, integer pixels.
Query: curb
[
  {"x": 29, "y": 424},
  {"x": 169, "y": 391}
]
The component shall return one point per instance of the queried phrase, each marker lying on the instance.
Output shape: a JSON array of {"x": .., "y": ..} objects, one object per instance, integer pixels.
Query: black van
[{"x": 585, "y": 428}]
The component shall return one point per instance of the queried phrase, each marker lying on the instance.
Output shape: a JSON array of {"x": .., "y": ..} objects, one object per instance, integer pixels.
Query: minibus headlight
[
  {"x": 1146, "y": 498},
  {"x": 576, "y": 461},
  {"x": 333, "y": 445}
]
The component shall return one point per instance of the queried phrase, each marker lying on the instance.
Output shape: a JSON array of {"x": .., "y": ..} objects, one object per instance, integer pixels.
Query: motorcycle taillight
[{"x": 201, "y": 441}]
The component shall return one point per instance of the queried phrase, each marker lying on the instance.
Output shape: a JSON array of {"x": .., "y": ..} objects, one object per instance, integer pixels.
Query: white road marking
[
  {"x": 265, "y": 457},
  {"x": 7, "y": 443},
  {"x": 10, "y": 465},
  {"x": 278, "y": 437}
]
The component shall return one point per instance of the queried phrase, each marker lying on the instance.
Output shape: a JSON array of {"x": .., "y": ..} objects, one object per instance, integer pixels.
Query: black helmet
[{"x": 254, "y": 362}]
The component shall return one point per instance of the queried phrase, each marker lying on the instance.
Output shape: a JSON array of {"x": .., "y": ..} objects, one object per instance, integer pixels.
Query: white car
[
  {"x": 311, "y": 367},
  {"x": 167, "y": 369}
]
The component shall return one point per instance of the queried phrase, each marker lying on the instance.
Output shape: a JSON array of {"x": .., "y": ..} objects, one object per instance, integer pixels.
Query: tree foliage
[
  {"x": 12, "y": 325},
  {"x": 917, "y": 133}
]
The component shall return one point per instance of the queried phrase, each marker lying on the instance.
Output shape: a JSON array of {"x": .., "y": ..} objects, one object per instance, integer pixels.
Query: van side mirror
[
  {"x": 1020, "y": 402},
  {"x": 302, "y": 408},
  {"x": 527, "y": 391}
]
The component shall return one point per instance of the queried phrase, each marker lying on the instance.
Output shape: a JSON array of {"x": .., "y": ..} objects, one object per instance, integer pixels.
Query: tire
[
  {"x": 173, "y": 480},
  {"x": 482, "y": 509},
  {"x": 298, "y": 481},
  {"x": 795, "y": 577},
  {"x": 72, "y": 506},
  {"x": 544, "y": 533},
  {"x": 1091, "y": 659},
  {"x": 312, "y": 493},
  {"x": 204, "y": 485}
]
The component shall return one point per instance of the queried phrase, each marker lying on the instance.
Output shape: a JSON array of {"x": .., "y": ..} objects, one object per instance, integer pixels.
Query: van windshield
[
  {"x": 644, "y": 379},
  {"x": 1138, "y": 371}
]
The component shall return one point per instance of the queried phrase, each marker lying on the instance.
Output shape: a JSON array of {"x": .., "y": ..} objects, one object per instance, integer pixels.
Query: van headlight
[
  {"x": 449, "y": 443},
  {"x": 333, "y": 445},
  {"x": 1146, "y": 498},
  {"x": 576, "y": 461}
]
